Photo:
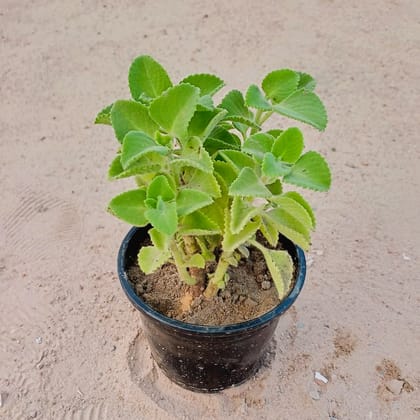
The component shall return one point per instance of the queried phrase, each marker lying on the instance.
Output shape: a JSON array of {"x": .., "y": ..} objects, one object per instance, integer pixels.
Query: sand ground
[{"x": 71, "y": 347}]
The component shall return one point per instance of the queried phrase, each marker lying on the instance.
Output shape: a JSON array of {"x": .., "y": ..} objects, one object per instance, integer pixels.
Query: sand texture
[{"x": 71, "y": 346}]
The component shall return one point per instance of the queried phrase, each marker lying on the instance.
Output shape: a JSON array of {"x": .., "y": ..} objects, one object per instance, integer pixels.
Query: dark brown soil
[{"x": 249, "y": 293}]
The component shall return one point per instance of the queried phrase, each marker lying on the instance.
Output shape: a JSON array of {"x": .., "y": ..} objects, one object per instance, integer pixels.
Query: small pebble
[
  {"x": 242, "y": 298},
  {"x": 395, "y": 386},
  {"x": 250, "y": 302},
  {"x": 321, "y": 378},
  {"x": 315, "y": 395},
  {"x": 406, "y": 257},
  {"x": 3, "y": 396},
  {"x": 265, "y": 285},
  {"x": 38, "y": 340}
]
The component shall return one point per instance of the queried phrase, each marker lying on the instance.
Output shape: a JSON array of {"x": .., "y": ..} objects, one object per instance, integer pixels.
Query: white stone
[
  {"x": 395, "y": 386},
  {"x": 320, "y": 377}
]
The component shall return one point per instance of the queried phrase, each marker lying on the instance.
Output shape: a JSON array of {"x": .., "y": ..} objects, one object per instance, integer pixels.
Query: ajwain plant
[{"x": 208, "y": 177}]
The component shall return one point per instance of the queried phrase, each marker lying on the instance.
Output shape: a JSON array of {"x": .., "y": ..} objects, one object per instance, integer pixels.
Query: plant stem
[
  {"x": 218, "y": 277},
  {"x": 265, "y": 117},
  {"x": 198, "y": 274},
  {"x": 179, "y": 263}
]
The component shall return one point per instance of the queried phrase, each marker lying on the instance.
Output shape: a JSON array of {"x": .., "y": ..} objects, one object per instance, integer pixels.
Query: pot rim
[{"x": 140, "y": 305}]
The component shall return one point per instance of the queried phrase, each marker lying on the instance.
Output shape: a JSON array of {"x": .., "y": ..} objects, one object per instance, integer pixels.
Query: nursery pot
[{"x": 205, "y": 358}]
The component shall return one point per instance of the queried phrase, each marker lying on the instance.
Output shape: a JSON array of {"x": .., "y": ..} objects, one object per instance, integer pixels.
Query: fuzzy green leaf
[
  {"x": 147, "y": 78},
  {"x": 247, "y": 184},
  {"x": 226, "y": 172},
  {"x": 276, "y": 187},
  {"x": 131, "y": 116},
  {"x": 116, "y": 171},
  {"x": 257, "y": 145},
  {"x": 269, "y": 231},
  {"x": 151, "y": 258},
  {"x": 231, "y": 241},
  {"x": 292, "y": 220},
  {"x": 202, "y": 181},
  {"x": 241, "y": 213},
  {"x": 221, "y": 139},
  {"x": 289, "y": 145},
  {"x": 306, "y": 81},
  {"x": 304, "y": 106},
  {"x": 104, "y": 117},
  {"x": 299, "y": 199},
  {"x": 256, "y": 99},
  {"x": 159, "y": 240},
  {"x": 205, "y": 103},
  {"x": 238, "y": 160},
  {"x": 234, "y": 103},
  {"x": 208, "y": 84},
  {"x": 137, "y": 144},
  {"x": 160, "y": 187},
  {"x": 199, "y": 159},
  {"x": 310, "y": 171},
  {"x": 174, "y": 109},
  {"x": 163, "y": 217},
  {"x": 280, "y": 265},
  {"x": 241, "y": 123},
  {"x": 204, "y": 122},
  {"x": 279, "y": 84},
  {"x": 288, "y": 206},
  {"x": 189, "y": 200},
  {"x": 129, "y": 206},
  {"x": 198, "y": 223},
  {"x": 274, "y": 168}
]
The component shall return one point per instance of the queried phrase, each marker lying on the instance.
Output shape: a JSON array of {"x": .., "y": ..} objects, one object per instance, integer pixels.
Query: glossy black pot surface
[{"x": 205, "y": 358}]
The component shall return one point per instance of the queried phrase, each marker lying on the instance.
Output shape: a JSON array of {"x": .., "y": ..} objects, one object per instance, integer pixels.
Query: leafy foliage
[{"x": 208, "y": 177}]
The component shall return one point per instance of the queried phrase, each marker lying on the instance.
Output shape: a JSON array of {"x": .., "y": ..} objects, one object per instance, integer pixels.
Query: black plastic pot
[{"x": 205, "y": 358}]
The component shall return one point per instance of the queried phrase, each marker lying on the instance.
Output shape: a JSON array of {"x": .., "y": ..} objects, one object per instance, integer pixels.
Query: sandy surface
[{"x": 71, "y": 346}]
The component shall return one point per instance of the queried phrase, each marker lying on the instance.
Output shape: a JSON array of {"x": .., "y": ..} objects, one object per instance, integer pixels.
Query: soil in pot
[{"x": 249, "y": 293}]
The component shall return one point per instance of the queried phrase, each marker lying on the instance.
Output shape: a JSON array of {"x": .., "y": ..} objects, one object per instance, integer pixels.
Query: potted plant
[{"x": 211, "y": 199}]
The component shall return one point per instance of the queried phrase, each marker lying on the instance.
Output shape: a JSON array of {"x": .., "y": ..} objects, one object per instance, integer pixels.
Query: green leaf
[
  {"x": 275, "y": 132},
  {"x": 231, "y": 241},
  {"x": 204, "y": 122},
  {"x": 292, "y": 220},
  {"x": 147, "y": 78},
  {"x": 235, "y": 104},
  {"x": 226, "y": 172},
  {"x": 159, "y": 240},
  {"x": 163, "y": 217},
  {"x": 148, "y": 164},
  {"x": 189, "y": 200},
  {"x": 241, "y": 123},
  {"x": 131, "y": 116},
  {"x": 247, "y": 184},
  {"x": 281, "y": 267},
  {"x": 310, "y": 171},
  {"x": 269, "y": 231},
  {"x": 175, "y": 108},
  {"x": 299, "y": 199},
  {"x": 287, "y": 206},
  {"x": 276, "y": 187},
  {"x": 115, "y": 168},
  {"x": 221, "y": 139},
  {"x": 306, "y": 81},
  {"x": 304, "y": 106},
  {"x": 274, "y": 168},
  {"x": 160, "y": 187},
  {"x": 241, "y": 213},
  {"x": 151, "y": 258},
  {"x": 104, "y": 117},
  {"x": 208, "y": 84},
  {"x": 129, "y": 206},
  {"x": 195, "y": 260},
  {"x": 238, "y": 160},
  {"x": 137, "y": 144},
  {"x": 199, "y": 159},
  {"x": 289, "y": 145},
  {"x": 198, "y": 224},
  {"x": 205, "y": 103},
  {"x": 202, "y": 181},
  {"x": 279, "y": 84},
  {"x": 256, "y": 99},
  {"x": 257, "y": 145}
]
